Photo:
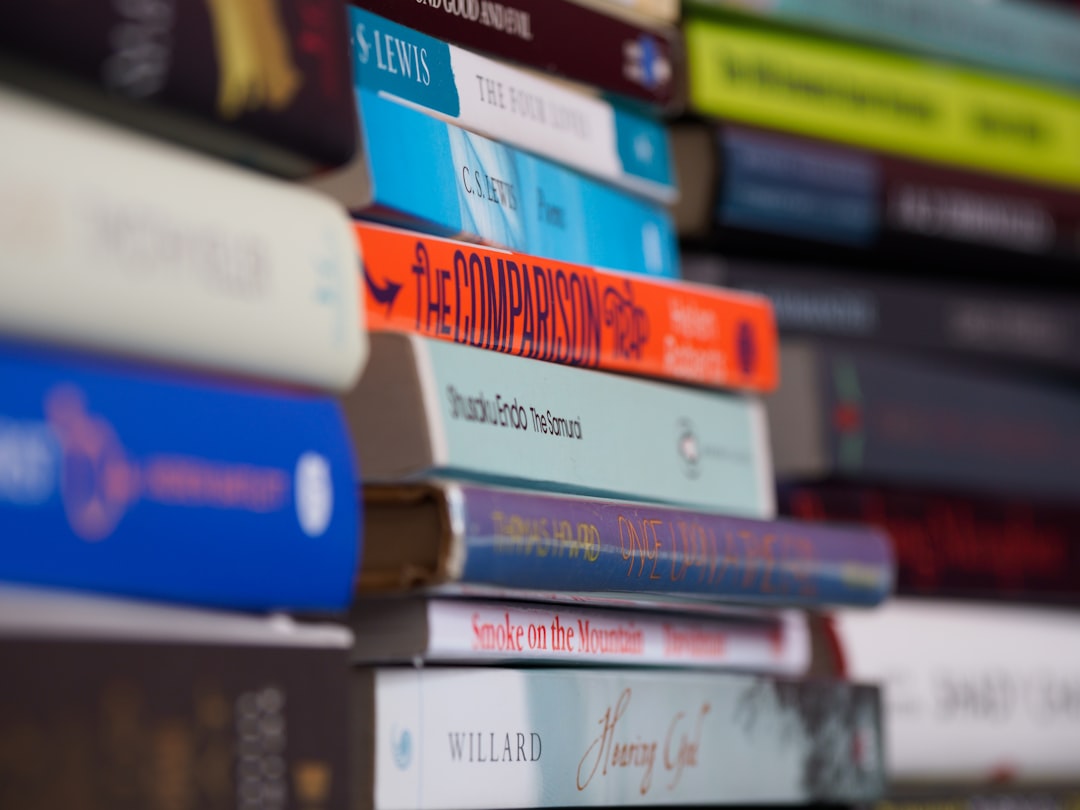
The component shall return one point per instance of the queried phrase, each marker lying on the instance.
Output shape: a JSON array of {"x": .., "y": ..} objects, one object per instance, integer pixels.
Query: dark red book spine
[
  {"x": 274, "y": 71},
  {"x": 640, "y": 62},
  {"x": 948, "y": 544}
]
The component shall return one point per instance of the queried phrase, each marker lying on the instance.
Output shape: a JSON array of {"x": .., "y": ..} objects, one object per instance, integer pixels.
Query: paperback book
[
  {"x": 846, "y": 412},
  {"x": 976, "y": 691},
  {"x": 736, "y": 183},
  {"x": 112, "y": 240},
  {"x": 422, "y": 173},
  {"x": 625, "y": 55},
  {"x": 445, "y": 630},
  {"x": 124, "y": 480},
  {"x": 505, "y": 103},
  {"x": 979, "y": 323},
  {"x": 110, "y": 704},
  {"x": 432, "y": 408},
  {"x": 882, "y": 100},
  {"x": 449, "y": 739},
  {"x": 565, "y": 313},
  {"x": 263, "y": 82}
]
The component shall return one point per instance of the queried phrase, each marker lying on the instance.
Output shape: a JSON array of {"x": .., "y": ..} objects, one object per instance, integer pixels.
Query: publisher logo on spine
[
  {"x": 401, "y": 748},
  {"x": 314, "y": 494},
  {"x": 688, "y": 449}
]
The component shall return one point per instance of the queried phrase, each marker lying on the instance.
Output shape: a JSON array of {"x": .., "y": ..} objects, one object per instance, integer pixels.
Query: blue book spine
[
  {"x": 431, "y": 175},
  {"x": 501, "y": 101},
  {"x": 123, "y": 481},
  {"x": 515, "y": 539}
]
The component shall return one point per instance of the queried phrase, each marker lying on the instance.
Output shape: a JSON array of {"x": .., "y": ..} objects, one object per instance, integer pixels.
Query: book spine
[
  {"x": 664, "y": 10},
  {"x": 581, "y": 431},
  {"x": 487, "y": 738},
  {"x": 883, "y": 101},
  {"x": 506, "y": 104},
  {"x": 1011, "y": 37},
  {"x": 534, "y": 542},
  {"x": 111, "y": 241},
  {"x": 111, "y": 724},
  {"x": 488, "y": 298},
  {"x": 847, "y": 196},
  {"x": 477, "y": 632},
  {"x": 950, "y": 544},
  {"x": 275, "y": 71},
  {"x": 887, "y": 418},
  {"x": 122, "y": 481},
  {"x": 974, "y": 692},
  {"x": 455, "y": 182},
  {"x": 579, "y": 42},
  {"x": 987, "y": 322}
]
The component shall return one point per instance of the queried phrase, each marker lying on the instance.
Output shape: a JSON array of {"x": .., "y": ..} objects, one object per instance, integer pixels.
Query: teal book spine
[
  {"x": 417, "y": 171},
  {"x": 1025, "y": 38},
  {"x": 427, "y": 407},
  {"x": 496, "y": 99}
]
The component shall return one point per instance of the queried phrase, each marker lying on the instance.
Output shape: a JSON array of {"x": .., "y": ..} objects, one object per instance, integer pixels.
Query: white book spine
[
  {"x": 487, "y": 632},
  {"x": 972, "y": 692},
  {"x": 114, "y": 241},
  {"x": 449, "y": 739}
]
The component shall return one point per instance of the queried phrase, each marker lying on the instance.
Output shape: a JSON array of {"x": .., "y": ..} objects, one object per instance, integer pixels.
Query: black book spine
[
  {"x": 890, "y": 419},
  {"x": 984, "y": 322}
]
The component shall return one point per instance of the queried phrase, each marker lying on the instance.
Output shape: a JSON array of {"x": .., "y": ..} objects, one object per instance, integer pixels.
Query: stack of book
[
  {"x": 901, "y": 178},
  {"x": 567, "y": 482},
  {"x": 574, "y": 588},
  {"x": 174, "y": 330}
]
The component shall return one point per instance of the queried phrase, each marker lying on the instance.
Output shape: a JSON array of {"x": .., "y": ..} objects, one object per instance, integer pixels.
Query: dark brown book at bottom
[{"x": 114, "y": 705}]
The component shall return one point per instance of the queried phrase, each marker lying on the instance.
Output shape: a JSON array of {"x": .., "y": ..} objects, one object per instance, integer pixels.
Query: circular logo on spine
[
  {"x": 314, "y": 494},
  {"x": 687, "y": 446}
]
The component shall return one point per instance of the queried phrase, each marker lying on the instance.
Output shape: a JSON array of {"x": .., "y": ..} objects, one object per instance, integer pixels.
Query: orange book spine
[{"x": 566, "y": 313}]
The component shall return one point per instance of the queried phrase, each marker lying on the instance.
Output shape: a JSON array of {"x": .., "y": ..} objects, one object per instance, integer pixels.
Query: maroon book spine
[
  {"x": 951, "y": 544},
  {"x": 640, "y": 62}
]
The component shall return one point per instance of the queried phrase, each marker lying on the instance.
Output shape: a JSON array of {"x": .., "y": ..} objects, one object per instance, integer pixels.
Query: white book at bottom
[{"x": 450, "y": 739}]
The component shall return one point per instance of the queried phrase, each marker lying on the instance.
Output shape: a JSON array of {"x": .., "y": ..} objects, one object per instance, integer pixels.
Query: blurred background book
[{"x": 543, "y": 403}]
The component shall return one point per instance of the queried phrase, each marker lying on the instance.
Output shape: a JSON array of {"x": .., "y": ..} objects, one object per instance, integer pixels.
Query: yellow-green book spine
[{"x": 883, "y": 101}]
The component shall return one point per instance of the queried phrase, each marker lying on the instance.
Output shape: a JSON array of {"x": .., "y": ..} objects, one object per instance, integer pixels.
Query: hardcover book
[
  {"x": 429, "y": 407},
  {"x": 882, "y": 100},
  {"x": 124, "y": 480},
  {"x": 110, "y": 704},
  {"x": 422, "y": 173},
  {"x": 495, "y": 99},
  {"x": 263, "y": 82},
  {"x": 441, "y": 630},
  {"x": 569, "y": 314},
  {"x": 977, "y": 322},
  {"x": 974, "y": 692},
  {"x": 845, "y": 412},
  {"x": 113, "y": 240},
  {"x": 620, "y": 54},
  {"x": 955, "y": 544},
  {"x": 449, "y": 739},
  {"x": 479, "y": 535}
]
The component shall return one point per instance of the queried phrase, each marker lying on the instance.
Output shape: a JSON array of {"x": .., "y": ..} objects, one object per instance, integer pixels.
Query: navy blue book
[{"x": 122, "y": 480}]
